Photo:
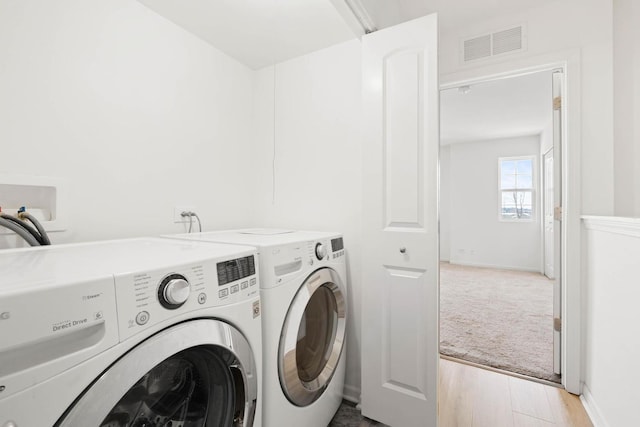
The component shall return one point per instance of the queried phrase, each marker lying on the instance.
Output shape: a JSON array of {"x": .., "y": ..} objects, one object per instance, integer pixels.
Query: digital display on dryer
[
  {"x": 336, "y": 244},
  {"x": 235, "y": 269}
]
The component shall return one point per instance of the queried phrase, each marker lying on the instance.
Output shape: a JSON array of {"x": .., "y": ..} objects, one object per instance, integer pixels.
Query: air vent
[
  {"x": 476, "y": 48},
  {"x": 500, "y": 42},
  {"x": 507, "y": 41}
]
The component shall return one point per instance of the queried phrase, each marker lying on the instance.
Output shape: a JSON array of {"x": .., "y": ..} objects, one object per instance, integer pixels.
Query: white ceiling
[
  {"x": 261, "y": 32},
  {"x": 451, "y": 13},
  {"x": 497, "y": 109}
]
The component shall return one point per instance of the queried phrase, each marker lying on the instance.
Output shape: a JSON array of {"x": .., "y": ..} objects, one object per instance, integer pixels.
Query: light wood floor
[{"x": 475, "y": 397}]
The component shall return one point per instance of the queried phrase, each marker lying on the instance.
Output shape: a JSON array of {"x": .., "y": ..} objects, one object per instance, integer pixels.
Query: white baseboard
[
  {"x": 592, "y": 408},
  {"x": 351, "y": 393},
  {"x": 499, "y": 267}
]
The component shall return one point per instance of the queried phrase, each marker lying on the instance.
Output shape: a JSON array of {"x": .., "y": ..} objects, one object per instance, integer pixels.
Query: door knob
[{"x": 403, "y": 250}]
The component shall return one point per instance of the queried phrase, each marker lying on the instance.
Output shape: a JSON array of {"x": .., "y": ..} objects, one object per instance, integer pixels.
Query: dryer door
[
  {"x": 196, "y": 374},
  {"x": 312, "y": 338}
]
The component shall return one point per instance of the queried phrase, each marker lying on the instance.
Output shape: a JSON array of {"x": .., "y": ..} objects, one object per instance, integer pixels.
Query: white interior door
[
  {"x": 549, "y": 204},
  {"x": 557, "y": 89},
  {"x": 400, "y": 274}
]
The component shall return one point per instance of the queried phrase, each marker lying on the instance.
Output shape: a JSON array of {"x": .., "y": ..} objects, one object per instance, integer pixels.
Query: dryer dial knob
[
  {"x": 173, "y": 291},
  {"x": 321, "y": 252}
]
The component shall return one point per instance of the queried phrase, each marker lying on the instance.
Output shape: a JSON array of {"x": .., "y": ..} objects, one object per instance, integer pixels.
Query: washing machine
[
  {"x": 303, "y": 287},
  {"x": 140, "y": 332}
]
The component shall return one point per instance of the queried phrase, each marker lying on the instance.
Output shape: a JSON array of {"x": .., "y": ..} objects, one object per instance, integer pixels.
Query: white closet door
[{"x": 400, "y": 277}]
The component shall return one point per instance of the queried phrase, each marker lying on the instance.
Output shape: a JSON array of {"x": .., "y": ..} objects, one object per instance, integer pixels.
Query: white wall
[
  {"x": 140, "y": 116},
  {"x": 318, "y": 160},
  {"x": 612, "y": 248},
  {"x": 336, "y": 71},
  {"x": 445, "y": 202},
  {"x": 477, "y": 236},
  {"x": 135, "y": 113},
  {"x": 612, "y": 328},
  {"x": 554, "y": 31},
  {"x": 626, "y": 62},
  {"x": 578, "y": 33}
]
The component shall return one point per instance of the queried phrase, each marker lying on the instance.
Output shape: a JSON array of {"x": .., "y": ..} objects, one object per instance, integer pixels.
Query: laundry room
[{"x": 146, "y": 118}]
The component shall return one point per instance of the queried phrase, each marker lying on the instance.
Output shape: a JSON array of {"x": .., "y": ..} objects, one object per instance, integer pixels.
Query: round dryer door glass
[
  {"x": 194, "y": 388},
  {"x": 312, "y": 338},
  {"x": 316, "y": 334}
]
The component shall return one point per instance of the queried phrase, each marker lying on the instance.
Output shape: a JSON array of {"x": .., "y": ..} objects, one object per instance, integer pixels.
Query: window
[{"x": 516, "y": 188}]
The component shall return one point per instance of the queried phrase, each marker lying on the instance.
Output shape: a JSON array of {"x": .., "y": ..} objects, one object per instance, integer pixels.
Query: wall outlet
[{"x": 177, "y": 213}]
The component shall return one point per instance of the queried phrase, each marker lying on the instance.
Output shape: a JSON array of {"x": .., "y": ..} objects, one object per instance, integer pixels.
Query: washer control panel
[
  {"x": 148, "y": 298},
  {"x": 173, "y": 291}
]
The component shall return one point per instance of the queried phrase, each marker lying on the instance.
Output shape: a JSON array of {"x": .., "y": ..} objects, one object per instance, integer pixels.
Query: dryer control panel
[
  {"x": 148, "y": 298},
  {"x": 282, "y": 263},
  {"x": 337, "y": 248}
]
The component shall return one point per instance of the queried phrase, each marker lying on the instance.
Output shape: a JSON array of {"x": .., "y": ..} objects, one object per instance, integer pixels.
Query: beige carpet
[{"x": 498, "y": 318}]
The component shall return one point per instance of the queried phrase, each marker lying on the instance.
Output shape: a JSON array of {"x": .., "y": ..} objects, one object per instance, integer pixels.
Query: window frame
[{"x": 533, "y": 189}]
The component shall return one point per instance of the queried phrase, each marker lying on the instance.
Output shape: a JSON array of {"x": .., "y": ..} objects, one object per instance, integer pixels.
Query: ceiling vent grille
[
  {"x": 478, "y": 47},
  {"x": 507, "y": 41},
  {"x": 500, "y": 42}
]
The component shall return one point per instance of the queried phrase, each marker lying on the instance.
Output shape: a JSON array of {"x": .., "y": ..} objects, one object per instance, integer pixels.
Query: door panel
[
  {"x": 402, "y": 319},
  {"x": 400, "y": 298},
  {"x": 549, "y": 204},
  {"x": 403, "y": 187}
]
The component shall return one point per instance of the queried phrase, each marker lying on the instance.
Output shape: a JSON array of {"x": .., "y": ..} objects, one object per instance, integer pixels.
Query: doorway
[{"x": 498, "y": 250}]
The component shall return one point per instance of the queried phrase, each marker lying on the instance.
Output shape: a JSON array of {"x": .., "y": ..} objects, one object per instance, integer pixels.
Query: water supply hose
[
  {"x": 199, "y": 223},
  {"x": 24, "y": 226},
  {"x": 19, "y": 230},
  {"x": 23, "y": 214}
]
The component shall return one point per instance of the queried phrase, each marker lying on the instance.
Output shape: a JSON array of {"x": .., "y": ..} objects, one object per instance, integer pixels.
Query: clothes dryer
[
  {"x": 303, "y": 288},
  {"x": 141, "y": 332}
]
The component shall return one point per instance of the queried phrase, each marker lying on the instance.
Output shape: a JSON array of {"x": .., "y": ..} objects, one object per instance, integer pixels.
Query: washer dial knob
[
  {"x": 173, "y": 291},
  {"x": 321, "y": 251}
]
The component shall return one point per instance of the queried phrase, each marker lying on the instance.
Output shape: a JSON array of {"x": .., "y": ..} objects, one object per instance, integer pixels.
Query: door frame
[
  {"x": 571, "y": 246},
  {"x": 545, "y": 205}
]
